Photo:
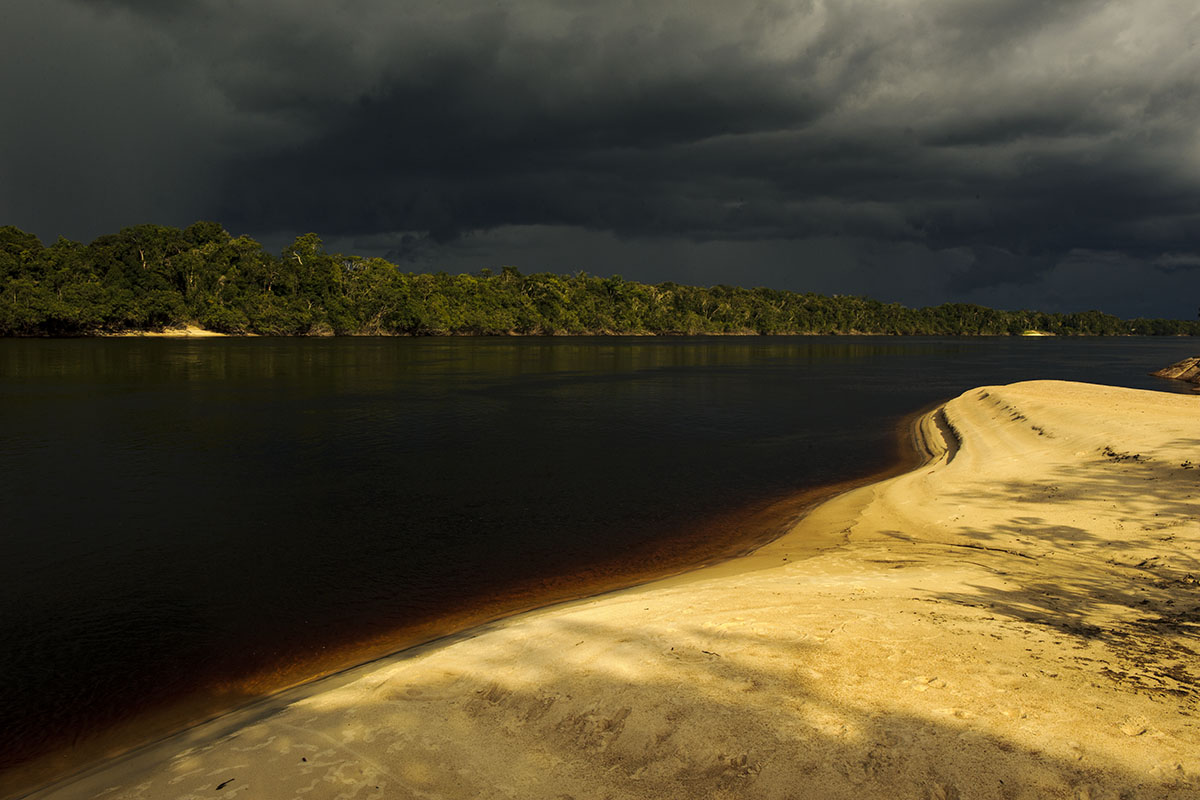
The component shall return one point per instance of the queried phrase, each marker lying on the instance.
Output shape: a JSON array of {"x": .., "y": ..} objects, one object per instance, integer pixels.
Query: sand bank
[
  {"x": 185, "y": 332},
  {"x": 1186, "y": 370},
  {"x": 1018, "y": 618}
]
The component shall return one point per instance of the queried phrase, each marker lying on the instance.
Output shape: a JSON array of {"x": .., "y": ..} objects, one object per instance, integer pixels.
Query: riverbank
[
  {"x": 181, "y": 332},
  {"x": 194, "y": 331},
  {"x": 1016, "y": 618}
]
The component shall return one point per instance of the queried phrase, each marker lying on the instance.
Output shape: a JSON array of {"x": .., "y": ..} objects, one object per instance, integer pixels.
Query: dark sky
[{"x": 1017, "y": 153}]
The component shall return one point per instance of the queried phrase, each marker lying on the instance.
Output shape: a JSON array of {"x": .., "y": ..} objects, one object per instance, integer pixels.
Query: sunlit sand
[
  {"x": 1018, "y": 618},
  {"x": 184, "y": 332}
]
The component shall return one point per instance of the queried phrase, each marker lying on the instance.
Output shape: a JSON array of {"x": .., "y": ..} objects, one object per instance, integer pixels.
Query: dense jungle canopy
[{"x": 152, "y": 277}]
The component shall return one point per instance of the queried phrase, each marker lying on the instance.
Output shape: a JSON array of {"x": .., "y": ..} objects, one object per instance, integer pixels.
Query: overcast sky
[{"x": 1017, "y": 153}]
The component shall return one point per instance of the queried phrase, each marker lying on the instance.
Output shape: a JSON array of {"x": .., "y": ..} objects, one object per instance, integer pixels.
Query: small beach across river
[{"x": 1018, "y": 618}]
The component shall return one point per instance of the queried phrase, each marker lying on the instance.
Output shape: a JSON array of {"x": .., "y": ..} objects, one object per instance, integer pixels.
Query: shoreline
[
  {"x": 195, "y": 332},
  {"x": 772, "y": 517},
  {"x": 1010, "y": 618}
]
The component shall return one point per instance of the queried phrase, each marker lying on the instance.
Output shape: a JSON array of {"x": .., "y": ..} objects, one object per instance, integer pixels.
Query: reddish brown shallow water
[{"x": 717, "y": 540}]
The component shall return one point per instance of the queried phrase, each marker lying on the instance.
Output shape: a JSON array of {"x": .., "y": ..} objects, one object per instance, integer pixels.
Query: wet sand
[{"x": 1016, "y": 618}]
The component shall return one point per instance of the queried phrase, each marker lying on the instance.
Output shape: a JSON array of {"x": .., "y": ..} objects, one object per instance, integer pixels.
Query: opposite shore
[
  {"x": 194, "y": 331},
  {"x": 152, "y": 277},
  {"x": 1016, "y": 618}
]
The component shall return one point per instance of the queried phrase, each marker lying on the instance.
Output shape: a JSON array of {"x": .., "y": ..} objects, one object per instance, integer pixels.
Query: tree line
[{"x": 152, "y": 277}]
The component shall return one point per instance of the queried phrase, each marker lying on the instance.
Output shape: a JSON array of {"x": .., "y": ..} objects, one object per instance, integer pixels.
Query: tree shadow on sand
[
  {"x": 653, "y": 710},
  {"x": 1136, "y": 589}
]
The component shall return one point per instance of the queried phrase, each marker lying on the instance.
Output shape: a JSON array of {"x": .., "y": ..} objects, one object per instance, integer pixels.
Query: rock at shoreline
[{"x": 1186, "y": 370}]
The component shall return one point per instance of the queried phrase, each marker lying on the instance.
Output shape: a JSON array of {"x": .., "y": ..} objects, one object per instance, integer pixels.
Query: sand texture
[
  {"x": 189, "y": 331},
  {"x": 1019, "y": 618}
]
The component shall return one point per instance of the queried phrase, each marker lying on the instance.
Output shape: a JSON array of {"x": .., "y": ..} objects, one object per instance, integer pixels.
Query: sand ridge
[{"x": 1018, "y": 618}]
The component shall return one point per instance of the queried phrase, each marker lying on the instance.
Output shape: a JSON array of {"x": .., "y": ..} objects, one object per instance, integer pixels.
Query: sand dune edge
[{"x": 1017, "y": 618}]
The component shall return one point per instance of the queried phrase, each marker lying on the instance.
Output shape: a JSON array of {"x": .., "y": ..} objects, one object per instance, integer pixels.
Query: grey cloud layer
[{"x": 1016, "y": 131}]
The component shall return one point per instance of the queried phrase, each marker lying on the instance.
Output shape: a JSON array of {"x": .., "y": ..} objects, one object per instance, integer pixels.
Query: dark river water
[{"x": 187, "y": 524}]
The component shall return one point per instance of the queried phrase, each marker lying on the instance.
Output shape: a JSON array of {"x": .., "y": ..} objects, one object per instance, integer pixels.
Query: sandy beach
[
  {"x": 184, "y": 332},
  {"x": 1017, "y": 618}
]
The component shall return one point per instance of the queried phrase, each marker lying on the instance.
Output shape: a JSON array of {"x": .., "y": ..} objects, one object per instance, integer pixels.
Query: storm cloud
[{"x": 1008, "y": 151}]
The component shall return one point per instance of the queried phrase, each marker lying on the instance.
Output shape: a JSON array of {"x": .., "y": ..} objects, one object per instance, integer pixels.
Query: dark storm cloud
[{"x": 1010, "y": 135}]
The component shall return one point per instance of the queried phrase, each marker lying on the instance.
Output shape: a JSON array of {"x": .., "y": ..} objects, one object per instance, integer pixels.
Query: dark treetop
[{"x": 151, "y": 277}]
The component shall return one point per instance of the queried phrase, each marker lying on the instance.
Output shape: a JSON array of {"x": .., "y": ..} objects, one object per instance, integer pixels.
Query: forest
[{"x": 152, "y": 277}]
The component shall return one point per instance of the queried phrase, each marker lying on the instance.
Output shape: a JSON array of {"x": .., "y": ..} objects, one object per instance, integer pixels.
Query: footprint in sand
[
  {"x": 1133, "y": 726},
  {"x": 957, "y": 713},
  {"x": 1170, "y": 773},
  {"x": 691, "y": 654},
  {"x": 939, "y": 791}
]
